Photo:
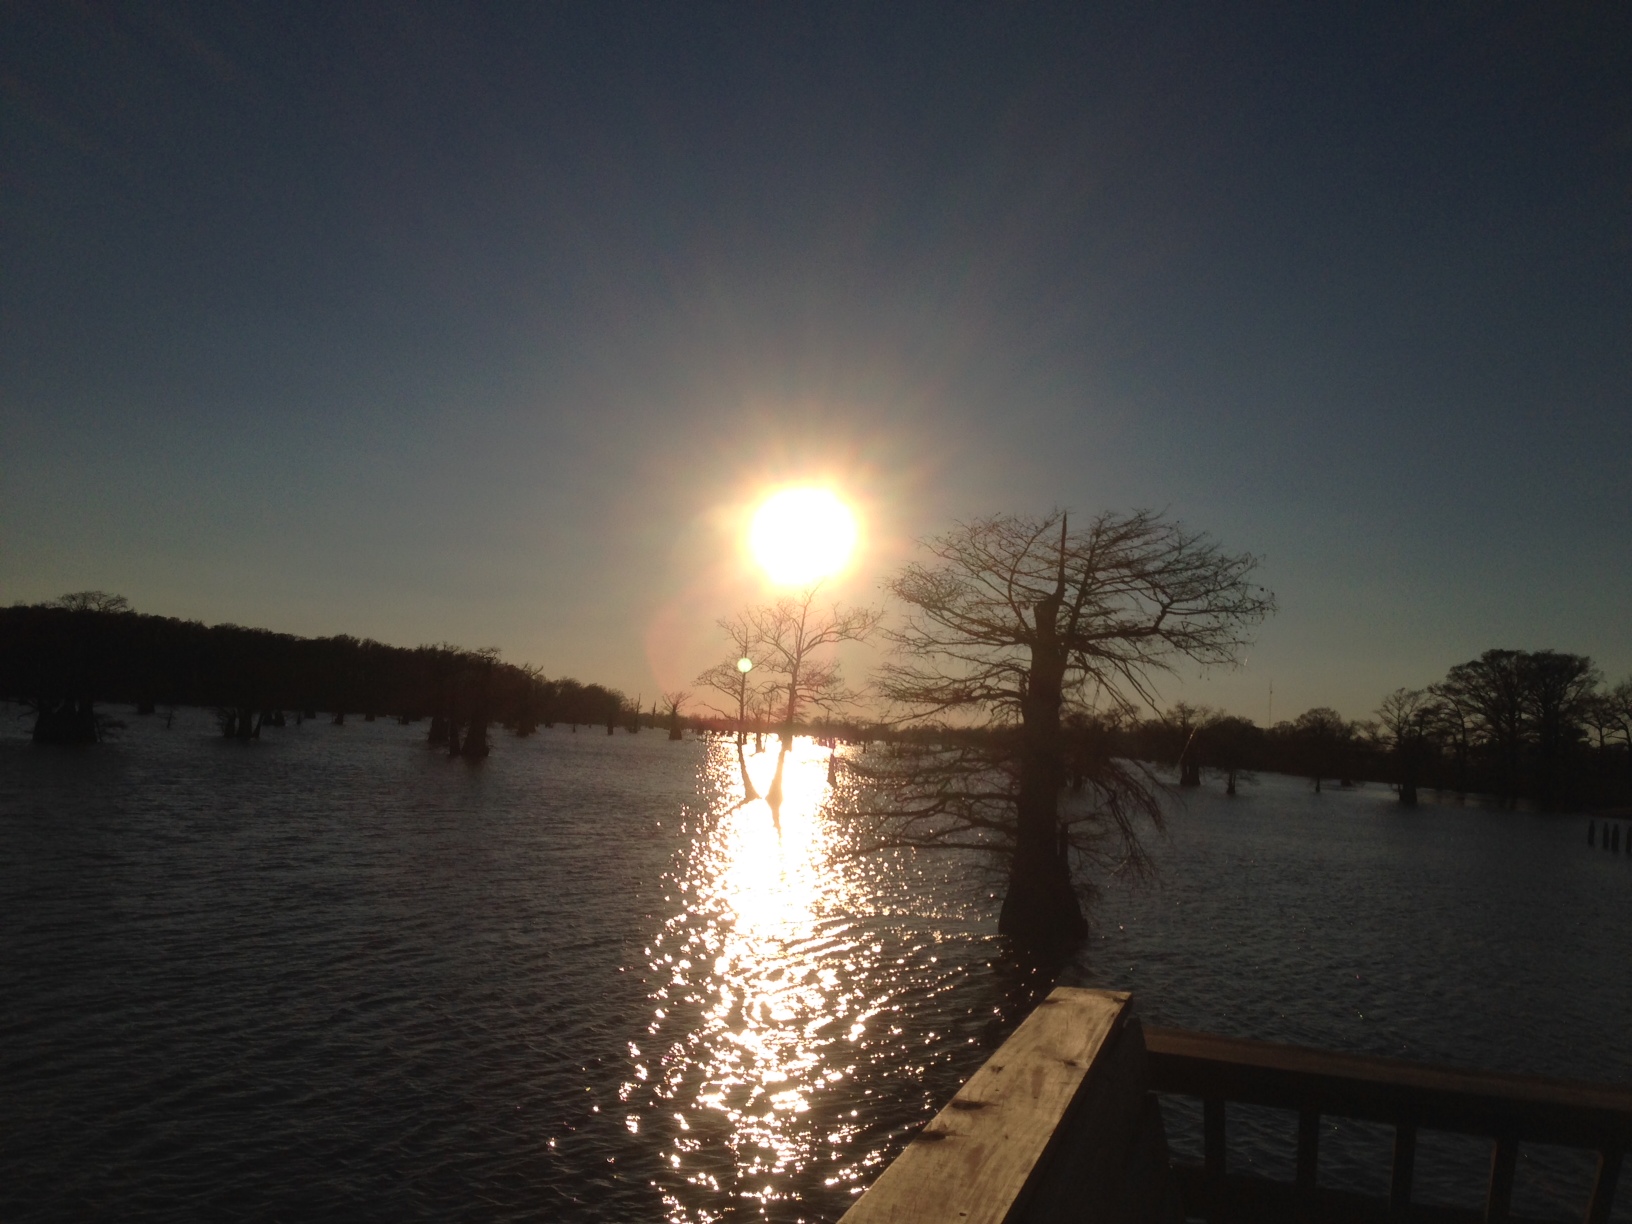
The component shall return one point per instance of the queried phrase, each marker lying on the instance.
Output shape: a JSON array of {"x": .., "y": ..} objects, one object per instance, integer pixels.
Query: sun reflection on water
[
  {"x": 758, "y": 922},
  {"x": 782, "y": 981}
]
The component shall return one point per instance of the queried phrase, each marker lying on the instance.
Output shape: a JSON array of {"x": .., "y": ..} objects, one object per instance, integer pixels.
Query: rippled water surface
[
  {"x": 1442, "y": 934},
  {"x": 333, "y": 975}
]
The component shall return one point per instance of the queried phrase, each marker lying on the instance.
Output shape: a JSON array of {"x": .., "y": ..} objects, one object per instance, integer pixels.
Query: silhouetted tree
[
  {"x": 91, "y": 601},
  {"x": 743, "y": 690},
  {"x": 479, "y": 667},
  {"x": 1523, "y": 708},
  {"x": 1489, "y": 693},
  {"x": 1231, "y": 745},
  {"x": 1320, "y": 739},
  {"x": 1186, "y": 721},
  {"x": 1013, "y": 623},
  {"x": 794, "y": 636},
  {"x": 1557, "y": 688},
  {"x": 524, "y": 701},
  {"x": 1452, "y": 717},
  {"x": 671, "y": 706},
  {"x": 1608, "y": 716},
  {"x": 65, "y": 655},
  {"x": 62, "y": 657},
  {"x": 1406, "y": 719},
  {"x": 1619, "y": 707}
]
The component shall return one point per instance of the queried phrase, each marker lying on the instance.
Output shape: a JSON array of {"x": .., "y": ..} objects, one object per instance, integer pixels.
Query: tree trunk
[
  {"x": 65, "y": 722},
  {"x": 1040, "y": 910}
]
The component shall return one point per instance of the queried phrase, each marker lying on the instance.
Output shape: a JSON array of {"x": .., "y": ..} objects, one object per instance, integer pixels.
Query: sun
[{"x": 802, "y": 535}]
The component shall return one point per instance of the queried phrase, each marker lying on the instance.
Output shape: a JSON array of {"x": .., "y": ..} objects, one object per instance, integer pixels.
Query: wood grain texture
[{"x": 977, "y": 1160}]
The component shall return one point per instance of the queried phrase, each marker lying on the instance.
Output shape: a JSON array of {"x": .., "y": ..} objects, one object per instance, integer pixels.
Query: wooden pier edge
[{"x": 1056, "y": 1125}]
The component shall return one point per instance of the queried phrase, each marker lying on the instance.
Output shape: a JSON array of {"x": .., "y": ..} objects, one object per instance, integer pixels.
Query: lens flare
[{"x": 802, "y": 535}]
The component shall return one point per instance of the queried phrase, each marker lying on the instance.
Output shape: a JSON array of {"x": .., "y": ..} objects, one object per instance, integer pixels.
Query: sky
[{"x": 489, "y": 323}]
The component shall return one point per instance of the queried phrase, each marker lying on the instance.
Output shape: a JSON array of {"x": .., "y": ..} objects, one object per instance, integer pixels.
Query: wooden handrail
[
  {"x": 1061, "y": 1123},
  {"x": 1530, "y": 1108},
  {"x": 1056, "y": 1125},
  {"x": 1507, "y": 1109}
]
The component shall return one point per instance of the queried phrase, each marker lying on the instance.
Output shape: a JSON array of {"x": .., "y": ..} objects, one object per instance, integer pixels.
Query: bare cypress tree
[
  {"x": 1407, "y": 718},
  {"x": 730, "y": 678},
  {"x": 793, "y": 636},
  {"x": 672, "y": 702},
  {"x": 1013, "y": 623}
]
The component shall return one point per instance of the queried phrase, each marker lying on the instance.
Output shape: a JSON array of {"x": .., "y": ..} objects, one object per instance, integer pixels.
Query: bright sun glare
[{"x": 802, "y": 535}]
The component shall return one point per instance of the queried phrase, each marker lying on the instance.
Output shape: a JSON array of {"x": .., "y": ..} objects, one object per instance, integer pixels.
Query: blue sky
[{"x": 483, "y": 322}]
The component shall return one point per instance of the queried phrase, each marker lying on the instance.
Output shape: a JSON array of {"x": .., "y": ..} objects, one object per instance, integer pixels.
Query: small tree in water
[
  {"x": 794, "y": 635},
  {"x": 790, "y": 642},
  {"x": 672, "y": 702},
  {"x": 730, "y": 678},
  {"x": 1014, "y": 622},
  {"x": 1406, "y": 720}
]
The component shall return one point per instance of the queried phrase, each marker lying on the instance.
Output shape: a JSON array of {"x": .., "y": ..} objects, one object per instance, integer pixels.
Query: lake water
[{"x": 335, "y": 976}]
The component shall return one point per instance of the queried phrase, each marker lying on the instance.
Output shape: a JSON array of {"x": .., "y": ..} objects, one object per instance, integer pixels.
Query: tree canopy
[{"x": 1018, "y": 634}]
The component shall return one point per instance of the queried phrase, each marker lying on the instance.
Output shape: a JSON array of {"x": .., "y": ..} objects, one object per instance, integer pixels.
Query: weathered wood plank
[
  {"x": 1110, "y": 1160},
  {"x": 981, "y": 1156}
]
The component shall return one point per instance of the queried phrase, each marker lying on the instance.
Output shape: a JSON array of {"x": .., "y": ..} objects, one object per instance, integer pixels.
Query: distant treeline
[
  {"x": 1535, "y": 725},
  {"x": 61, "y": 658}
]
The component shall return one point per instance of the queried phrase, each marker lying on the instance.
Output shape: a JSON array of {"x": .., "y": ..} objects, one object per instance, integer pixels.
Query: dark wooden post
[
  {"x": 1212, "y": 1141},
  {"x": 1212, "y": 1156},
  {"x": 1405, "y": 1163},
  {"x": 1504, "y": 1156},
  {"x": 1304, "y": 1193},
  {"x": 1603, "y": 1186}
]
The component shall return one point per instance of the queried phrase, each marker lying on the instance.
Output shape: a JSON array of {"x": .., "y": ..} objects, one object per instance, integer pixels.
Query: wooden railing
[
  {"x": 1062, "y": 1123},
  {"x": 1056, "y": 1125},
  {"x": 1411, "y": 1097}
]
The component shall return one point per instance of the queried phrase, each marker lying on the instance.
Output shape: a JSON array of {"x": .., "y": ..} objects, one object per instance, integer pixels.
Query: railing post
[
  {"x": 1212, "y": 1155},
  {"x": 1308, "y": 1162},
  {"x": 1405, "y": 1163},
  {"x": 1212, "y": 1138},
  {"x": 1603, "y": 1186},
  {"x": 1504, "y": 1156},
  {"x": 1506, "y": 1109}
]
